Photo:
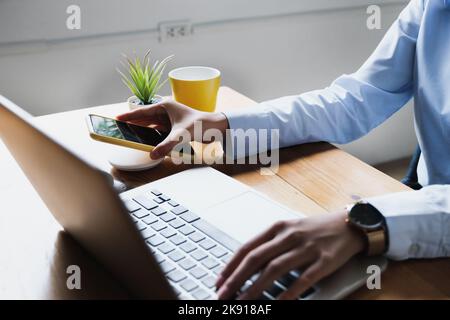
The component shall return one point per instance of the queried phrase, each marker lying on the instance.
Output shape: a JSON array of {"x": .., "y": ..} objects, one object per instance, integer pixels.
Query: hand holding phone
[
  {"x": 175, "y": 118},
  {"x": 126, "y": 134}
]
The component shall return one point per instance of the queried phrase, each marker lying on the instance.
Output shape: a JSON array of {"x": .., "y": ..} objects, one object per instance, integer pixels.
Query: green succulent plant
[{"x": 144, "y": 79}]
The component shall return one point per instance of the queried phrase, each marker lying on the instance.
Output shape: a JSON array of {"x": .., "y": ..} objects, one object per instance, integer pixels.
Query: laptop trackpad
[{"x": 246, "y": 215}]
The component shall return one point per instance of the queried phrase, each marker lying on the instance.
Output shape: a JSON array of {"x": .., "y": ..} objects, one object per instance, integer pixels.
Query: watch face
[{"x": 366, "y": 216}]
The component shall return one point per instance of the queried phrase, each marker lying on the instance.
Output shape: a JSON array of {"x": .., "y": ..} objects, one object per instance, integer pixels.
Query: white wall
[{"x": 261, "y": 57}]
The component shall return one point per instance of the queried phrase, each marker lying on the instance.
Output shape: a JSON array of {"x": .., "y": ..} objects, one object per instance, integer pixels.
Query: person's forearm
[
  {"x": 219, "y": 121},
  {"x": 351, "y": 106},
  {"x": 418, "y": 222},
  {"x": 214, "y": 121}
]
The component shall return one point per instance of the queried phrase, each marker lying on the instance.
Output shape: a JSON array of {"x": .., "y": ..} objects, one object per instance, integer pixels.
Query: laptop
[{"x": 168, "y": 239}]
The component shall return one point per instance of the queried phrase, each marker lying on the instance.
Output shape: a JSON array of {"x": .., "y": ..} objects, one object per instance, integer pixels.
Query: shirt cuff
[
  {"x": 413, "y": 230},
  {"x": 249, "y": 131}
]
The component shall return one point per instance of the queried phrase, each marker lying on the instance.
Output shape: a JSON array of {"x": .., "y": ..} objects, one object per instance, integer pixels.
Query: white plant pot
[{"x": 134, "y": 103}]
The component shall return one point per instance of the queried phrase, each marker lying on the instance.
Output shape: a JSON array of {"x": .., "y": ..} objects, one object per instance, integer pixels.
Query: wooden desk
[{"x": 314, "y": 179}]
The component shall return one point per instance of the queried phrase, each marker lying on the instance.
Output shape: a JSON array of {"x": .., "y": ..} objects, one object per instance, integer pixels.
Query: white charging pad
[{"x": 127, "y": 159}]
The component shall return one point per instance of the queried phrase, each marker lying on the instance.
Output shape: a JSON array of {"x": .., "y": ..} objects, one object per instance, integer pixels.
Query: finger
[
  {"x": 140, "y": 113},
  {"x": 164, "y": 147},
  {"x": 144, "y": 122},
  {"x": 306, "y": 280},
  {"x": 265, "y": 236},
  {"x": 154, "y": 123},
  {"x": 161, "y": 127},
  {"x": 278, "y": 267},
  {"x": 251, "y": 264}
]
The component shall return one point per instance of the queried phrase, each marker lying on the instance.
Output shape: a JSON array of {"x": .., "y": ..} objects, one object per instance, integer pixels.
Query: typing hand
[
  {"x": 318, "y": 246},
  {"x": 175, "y": 117}
]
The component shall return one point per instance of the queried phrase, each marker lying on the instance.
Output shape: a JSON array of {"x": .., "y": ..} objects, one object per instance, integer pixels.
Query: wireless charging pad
[{"x": 127, "y": 159}]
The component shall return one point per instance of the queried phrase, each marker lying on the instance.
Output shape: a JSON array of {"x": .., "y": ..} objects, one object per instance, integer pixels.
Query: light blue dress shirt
[{"x": 412, "y": 60}]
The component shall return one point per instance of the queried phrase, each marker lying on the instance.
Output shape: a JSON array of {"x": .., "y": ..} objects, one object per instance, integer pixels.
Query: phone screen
[{"x": 126, "y": 131}]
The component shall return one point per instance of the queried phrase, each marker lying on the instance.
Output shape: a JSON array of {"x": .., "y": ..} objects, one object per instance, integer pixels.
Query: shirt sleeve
[
  {"x": 418, "y": 222},
  {"x": 346, "y": 110}
]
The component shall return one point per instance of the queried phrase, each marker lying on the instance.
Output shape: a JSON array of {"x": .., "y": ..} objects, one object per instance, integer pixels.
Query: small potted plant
[{"x": 144, "y": 80}]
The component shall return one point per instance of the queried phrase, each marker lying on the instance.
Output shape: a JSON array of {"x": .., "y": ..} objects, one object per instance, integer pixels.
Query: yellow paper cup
[{"x": 196, "y": 87}]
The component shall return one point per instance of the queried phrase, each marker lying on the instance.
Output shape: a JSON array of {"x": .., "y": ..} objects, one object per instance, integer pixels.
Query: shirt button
[{"x": 414, "y": 249}]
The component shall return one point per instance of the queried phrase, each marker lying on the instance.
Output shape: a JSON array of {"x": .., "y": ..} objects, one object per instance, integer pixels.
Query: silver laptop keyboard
[{"x": 190, "y": 251}]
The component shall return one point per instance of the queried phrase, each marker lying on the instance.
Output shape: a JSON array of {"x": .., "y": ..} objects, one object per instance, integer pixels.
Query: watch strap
[{"x": 376, "y": 242}]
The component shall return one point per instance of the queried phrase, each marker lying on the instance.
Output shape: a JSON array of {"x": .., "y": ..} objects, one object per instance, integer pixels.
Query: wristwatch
[{"x": 367, "y": 219}]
